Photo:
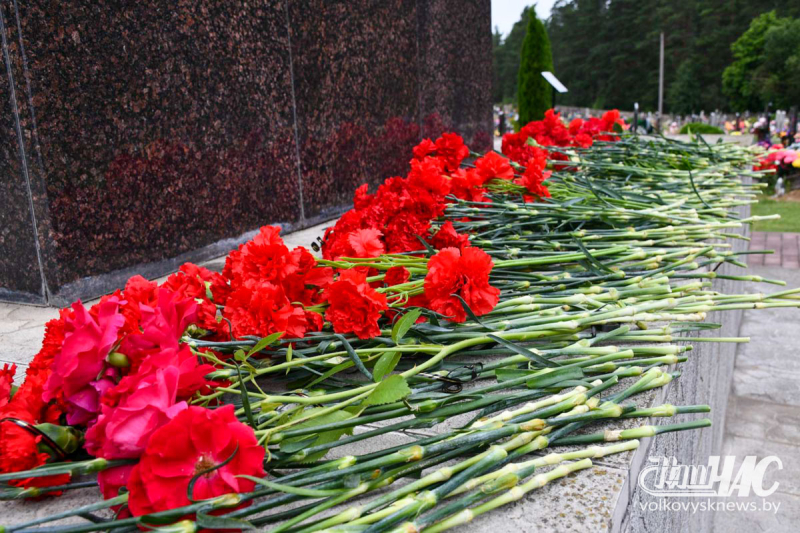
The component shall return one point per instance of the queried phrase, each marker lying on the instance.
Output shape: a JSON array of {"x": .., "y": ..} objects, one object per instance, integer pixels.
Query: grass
[{"x": 789, "y": 212}]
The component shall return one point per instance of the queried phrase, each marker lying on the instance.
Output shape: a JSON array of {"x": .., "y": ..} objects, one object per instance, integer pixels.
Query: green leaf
[
  {"x": 405, "y": 322},
  {"x": 385, "y": 365},
  {"x": 392, "y": 389},
  {"x": 239, "y": 355},
  {"x": 300, "y": 491},
  {"x": 291, "y": 445},
  {"x": 507, "y": 374},
  {"x": 245, "y": 399},
  {"x": 354, "y": 357},
  {"x": 263, "y": 343},
  {"x": 288, "y": 356},
  {"x": 549, "y": 377},
  {"x": 207, "y": 521}
]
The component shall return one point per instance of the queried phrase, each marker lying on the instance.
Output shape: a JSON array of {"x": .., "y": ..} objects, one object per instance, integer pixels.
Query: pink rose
[
  {"x": 162, "y": 326},
  {"x": 132, "y": 411},
  {"x": 89, "y": 339}
]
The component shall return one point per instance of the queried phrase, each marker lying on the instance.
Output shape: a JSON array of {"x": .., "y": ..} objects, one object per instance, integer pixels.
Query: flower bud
[
  {"x": 118, "y": 360},
  {"x": 66, "y": 438}
]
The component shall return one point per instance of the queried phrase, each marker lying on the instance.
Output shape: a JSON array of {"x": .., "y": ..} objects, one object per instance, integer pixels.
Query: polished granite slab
[{"x": 136, "y": 136}]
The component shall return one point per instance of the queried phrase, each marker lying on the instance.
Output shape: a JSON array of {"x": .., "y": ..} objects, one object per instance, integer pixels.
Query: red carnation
[
  {"x": 428, "y": 174},
  {"x": 396, "y": 275},
  {"x": 6, "y": 381},
  {"x": 493, "y": 165},
  {"x": 425, "y": 148},
  {"x": 192, "y": 281},
  {"x": 448, "y": 237},
  {"x": 196, "y": 440},
  {"x": 78, "y": 367},
  {"x": 463, "y": 272},
  {"x": 534, "y": 175},
  {"x": 466, "y": 184},
  {"x": 450, "y": 147},
  {"x": 355, "y": 307},
  {"x": 264, "y": 258},
  {"x": 262, "y": 308},
  {"x": 18, "y": 449},
  {"x": 134, "y": 409},
  {"x": 366, "y": 242}
]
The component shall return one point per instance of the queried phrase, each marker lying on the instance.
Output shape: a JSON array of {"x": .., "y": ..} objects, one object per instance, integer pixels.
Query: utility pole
[{"x": 660, "y": 84}]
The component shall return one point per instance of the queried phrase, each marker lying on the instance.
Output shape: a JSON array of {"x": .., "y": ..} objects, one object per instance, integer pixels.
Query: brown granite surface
[
  {"x": 20, "y": 277},
  {"x": 155, "y": 130}
]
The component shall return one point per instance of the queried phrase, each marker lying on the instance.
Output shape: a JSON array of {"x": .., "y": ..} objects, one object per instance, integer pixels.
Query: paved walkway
[
  {"x": 785, "y": 245},
  {"x": 763, "y": 416}
]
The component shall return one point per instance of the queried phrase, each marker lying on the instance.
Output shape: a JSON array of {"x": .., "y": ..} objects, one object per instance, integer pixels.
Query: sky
[{"x": 506, "y": 12}]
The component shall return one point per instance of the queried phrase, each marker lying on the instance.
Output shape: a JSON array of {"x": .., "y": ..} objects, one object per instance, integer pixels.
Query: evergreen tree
[
  {"x": 685, "y": 93},
  {"x": 535, "y": 95},
  {"x": 606, "y": 51}
]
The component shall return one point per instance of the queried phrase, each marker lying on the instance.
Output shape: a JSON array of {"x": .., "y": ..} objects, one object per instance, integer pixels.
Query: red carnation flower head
[
  {"x": 493, "y": 165},
  {"x": 575, "y": 126},
  {"x": 76, "y": 368},
  {"x": 18, "y": 448},
  {"x": 306, "y": 283},
  {"x": 428, "y": 174},
  {"x": 451, "y": 149},
  {"x": 265, "y": 257},
  {"x": 396, "y": 275},
  {"x": 448, "y": 237},
  {"x": 535, "y": 174},
  {"x": 361, "y": 198},
  {"x": 403, "y": 232},
  {"x": 354, "y": 306},
  {"x": 366, "y": 242},
  {"x": 196, "y": 440},
  {"x": 6, "y": 381},
  {"x": 262, "y": 308},
  {"x": 465, "y": 273},
  {"x": 192, "y": 281},
  {"x": 112, "y": 480},
  {"x": 583, "y": 140},
  {"x": 425, "y": 148},
  {"x": 466, "y": 184}
]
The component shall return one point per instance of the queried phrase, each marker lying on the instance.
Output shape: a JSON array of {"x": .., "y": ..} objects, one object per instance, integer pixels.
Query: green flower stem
[{"x": 512, "y": 495}]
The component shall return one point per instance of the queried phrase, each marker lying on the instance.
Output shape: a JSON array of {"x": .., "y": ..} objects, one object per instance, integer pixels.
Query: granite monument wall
[{"x": 138, "y": 135}]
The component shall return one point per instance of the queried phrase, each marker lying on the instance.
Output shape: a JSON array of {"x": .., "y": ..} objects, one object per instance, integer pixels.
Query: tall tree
[
  {"x": 535, "y": 95},
  {"x": 606, "y": 51},
  {"x": 741, "y": 80},
  {"x": 507, "y": 58}
]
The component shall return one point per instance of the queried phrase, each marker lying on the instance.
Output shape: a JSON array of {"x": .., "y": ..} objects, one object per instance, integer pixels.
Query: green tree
[
  {"x": 742, "y": 80},
  {"x": 506, "y": 57},
  {"x": 535, "y": 95},
  {"x": 781, "y": 60},
  {"x": 606, "y": 51},
  {"x": 684, "y": 94}
]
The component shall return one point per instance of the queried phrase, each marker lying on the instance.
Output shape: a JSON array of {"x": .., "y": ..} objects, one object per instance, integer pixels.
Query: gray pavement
[{"x": 763, "y": 417}]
